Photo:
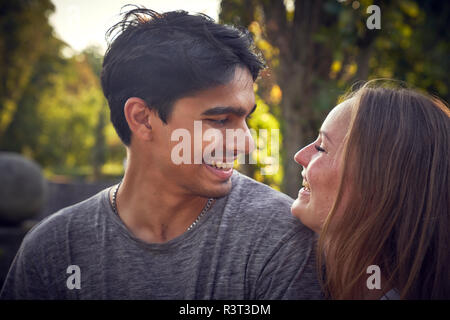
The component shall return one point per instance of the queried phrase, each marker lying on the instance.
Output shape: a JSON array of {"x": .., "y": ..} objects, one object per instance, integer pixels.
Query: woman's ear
[{"x": 138, "y": 116}]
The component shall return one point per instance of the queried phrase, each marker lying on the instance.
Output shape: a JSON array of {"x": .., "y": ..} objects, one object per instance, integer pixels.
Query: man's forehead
[
  {"x": 241, "y": 82},
  {"x": 243, "y": 77},
  {"x": 231, "y": 97}
]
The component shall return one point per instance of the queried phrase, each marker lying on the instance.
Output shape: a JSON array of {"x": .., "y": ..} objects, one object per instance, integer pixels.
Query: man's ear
[{"x": 139, "y": 117}]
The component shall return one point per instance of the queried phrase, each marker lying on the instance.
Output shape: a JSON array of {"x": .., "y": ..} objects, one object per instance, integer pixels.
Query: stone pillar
[{"x": 22, "y": 196}]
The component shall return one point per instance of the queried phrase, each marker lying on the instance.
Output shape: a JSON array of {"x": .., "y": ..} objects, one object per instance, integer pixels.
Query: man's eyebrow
[
  {"x": 238, "y": 111},
  {"x": 326, "y": 135}
]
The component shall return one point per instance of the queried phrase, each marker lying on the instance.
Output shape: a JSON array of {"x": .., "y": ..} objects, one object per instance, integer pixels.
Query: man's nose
[
  {"x": 239, "y": 141},
  {"x": 249, "y": 141}
]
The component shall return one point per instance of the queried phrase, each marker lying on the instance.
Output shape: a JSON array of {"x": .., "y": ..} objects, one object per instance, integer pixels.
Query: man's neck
[{"x": 151, "y": 209}]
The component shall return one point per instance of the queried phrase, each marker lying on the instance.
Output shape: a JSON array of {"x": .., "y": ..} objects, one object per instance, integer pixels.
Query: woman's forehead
[{"x": 339, "y": 118}]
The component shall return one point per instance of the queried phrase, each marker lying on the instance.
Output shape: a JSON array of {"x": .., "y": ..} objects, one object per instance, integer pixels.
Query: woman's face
[{"x": 322, "y": 168}]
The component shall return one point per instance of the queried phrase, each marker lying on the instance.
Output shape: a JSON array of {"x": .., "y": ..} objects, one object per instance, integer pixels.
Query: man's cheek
[{"x": 213, "y": 145}]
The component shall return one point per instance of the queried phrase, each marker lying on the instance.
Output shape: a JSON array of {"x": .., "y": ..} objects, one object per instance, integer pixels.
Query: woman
[{"x": 376, "y": 190}]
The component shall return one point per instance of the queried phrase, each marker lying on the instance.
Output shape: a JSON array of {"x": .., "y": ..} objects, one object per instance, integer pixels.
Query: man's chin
[{"x": 218, "y": 190}]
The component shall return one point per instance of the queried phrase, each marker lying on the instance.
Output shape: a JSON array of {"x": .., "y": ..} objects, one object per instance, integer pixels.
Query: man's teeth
[{"x": 221, "y": 165}]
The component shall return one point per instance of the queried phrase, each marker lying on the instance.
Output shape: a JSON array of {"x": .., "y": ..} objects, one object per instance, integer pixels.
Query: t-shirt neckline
[{"x": 215, "y": 208}]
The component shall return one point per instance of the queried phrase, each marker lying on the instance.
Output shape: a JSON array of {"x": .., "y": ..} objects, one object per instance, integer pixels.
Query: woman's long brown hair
[{"x": 396, "y": 170}]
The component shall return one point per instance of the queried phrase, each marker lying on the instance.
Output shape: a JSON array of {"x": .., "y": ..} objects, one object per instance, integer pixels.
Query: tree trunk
[
  {"x": 296, "y": 108},
  {"x": 293, "y": 139}
]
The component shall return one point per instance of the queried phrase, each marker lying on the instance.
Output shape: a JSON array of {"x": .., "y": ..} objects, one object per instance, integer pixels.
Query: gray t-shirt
[{"x": 247, "y": 246}]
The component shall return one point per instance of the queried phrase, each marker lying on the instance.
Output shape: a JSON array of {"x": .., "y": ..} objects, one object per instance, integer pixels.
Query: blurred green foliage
[
  {"x": 52, "y": 107},
  {"x": 317, "y": 49},
  {"x": 267, "y": 166}
]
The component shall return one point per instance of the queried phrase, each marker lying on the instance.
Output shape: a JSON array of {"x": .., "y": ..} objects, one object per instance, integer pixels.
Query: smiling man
[{"x": 195, "y": 230}]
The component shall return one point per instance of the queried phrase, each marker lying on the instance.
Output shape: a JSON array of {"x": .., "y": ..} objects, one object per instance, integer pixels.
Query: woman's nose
[{"x": 303, "y": 156}]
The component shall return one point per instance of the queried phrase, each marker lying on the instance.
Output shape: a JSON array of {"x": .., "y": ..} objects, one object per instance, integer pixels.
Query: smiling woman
[
  {"x": 376, "y": 189},
  {"x": 322, "y": 162}
]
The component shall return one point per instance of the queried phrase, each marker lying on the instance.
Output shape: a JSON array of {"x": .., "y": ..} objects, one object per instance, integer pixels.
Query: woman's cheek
[{"x": 324, "y": 187}]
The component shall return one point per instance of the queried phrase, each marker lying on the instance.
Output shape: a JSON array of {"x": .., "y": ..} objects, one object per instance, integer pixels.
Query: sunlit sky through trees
[{"x": 81, "y": 23}]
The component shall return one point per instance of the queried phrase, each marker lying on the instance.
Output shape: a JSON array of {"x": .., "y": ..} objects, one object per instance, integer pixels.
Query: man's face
[{"x": 223, "y": 108}]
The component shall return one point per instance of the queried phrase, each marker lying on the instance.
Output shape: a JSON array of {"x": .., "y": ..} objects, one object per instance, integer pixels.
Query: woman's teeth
[
  {"x": 305, "y": 184},
  {"x": 222, "y": 165}
]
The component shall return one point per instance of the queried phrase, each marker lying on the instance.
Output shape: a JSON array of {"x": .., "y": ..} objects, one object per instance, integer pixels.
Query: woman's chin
[
  {"x": 298, "y": 208},
  {"x": 301, "y": 210}
]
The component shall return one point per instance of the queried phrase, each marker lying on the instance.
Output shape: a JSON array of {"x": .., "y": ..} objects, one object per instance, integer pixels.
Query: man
[{"x": 189, "y": 230}]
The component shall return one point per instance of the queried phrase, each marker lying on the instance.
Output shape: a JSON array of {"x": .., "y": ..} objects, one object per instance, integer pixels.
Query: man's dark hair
[{"x": 161, "y": 58}]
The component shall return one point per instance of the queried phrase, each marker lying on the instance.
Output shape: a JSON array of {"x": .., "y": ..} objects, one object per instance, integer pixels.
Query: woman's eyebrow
[
  {"x": 238, "y": 111},
  {"x": 325, "y": 135}
]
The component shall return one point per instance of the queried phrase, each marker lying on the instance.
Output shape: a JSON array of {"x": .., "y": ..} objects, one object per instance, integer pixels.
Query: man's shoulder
[
  {"x": 258, "y": 206},
  {"x": 261, "y": 224},
  {"x": 255, "y": 191},
  {"x": 66, "y": 221}
]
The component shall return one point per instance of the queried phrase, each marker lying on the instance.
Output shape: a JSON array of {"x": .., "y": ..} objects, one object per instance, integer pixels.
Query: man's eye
[
  {"x": 319, "y": 149},
  {"x": 219, "y": 122}
]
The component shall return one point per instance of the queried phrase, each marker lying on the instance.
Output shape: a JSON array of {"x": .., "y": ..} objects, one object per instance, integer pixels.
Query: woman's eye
[{"x": 319, "y": 149}]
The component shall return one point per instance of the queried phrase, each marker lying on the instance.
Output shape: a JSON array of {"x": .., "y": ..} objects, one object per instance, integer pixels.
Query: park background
[{"x": 53, "y": 112}]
